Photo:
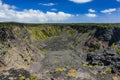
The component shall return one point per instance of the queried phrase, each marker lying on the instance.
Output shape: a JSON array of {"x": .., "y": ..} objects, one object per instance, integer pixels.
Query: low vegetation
[
  {"x": 105, "y": 25},
  {"x": 72, "y": 73},
  {"x": 118, "y": 50},
  {"x": 60, "y": 69}
]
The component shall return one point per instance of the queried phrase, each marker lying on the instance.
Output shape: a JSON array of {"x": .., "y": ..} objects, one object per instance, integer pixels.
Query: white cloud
[
  {"x": 80, "y": 1},
  {"x": 91, "y": 15},
  {"x": 8, "y": 13},
  {"x": 118, "y": 0},
  {"x": 53, "y": 9},
  {"x": 109, "y": 10},
  {"x": 101, "y": 18},
  {"x": 91, "y": 10},
  {"x": 47, "y": 4},
  {"x": 5, "y": 6}
]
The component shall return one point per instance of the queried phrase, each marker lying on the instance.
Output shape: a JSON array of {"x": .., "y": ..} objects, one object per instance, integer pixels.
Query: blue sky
[{"x": 60, "y": 11}]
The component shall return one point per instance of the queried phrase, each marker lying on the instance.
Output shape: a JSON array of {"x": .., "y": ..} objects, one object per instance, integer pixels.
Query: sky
[{"x": 60, "y": 11}]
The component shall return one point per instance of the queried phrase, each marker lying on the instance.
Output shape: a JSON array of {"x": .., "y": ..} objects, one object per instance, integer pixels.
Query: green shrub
[
  {"x": 33, "y": 77},
  {"x": 22, "y": 77},
  {"x": 84, "y": 65},
  {"x": 118, "y": 50},
  {"x": 21, "y": 56},
  {"x": 59, "y": 69},
  {"x": 108, "y": 70},
  {"x": 90, "y": 66},
  {"x": 113, "y": 44}
]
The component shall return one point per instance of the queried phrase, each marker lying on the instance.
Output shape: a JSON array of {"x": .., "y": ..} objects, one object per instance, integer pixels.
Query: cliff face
[{"x": 59, "y": 52}]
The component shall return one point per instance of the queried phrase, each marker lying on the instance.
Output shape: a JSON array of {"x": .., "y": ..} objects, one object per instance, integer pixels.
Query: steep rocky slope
[{"x": 59, "y": 52}]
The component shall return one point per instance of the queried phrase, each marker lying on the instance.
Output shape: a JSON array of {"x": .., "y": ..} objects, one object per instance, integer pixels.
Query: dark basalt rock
[
  {"x": 15, "y": 74},
  {"x": 10, "y": 34},
  {"x": 106, "y": 58},
  {"x": 3, "y": 34},
  {"x": 104, "y": 34},
  {"x": 111, "y": 35},
  {"x": 116, "y": 35}
]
